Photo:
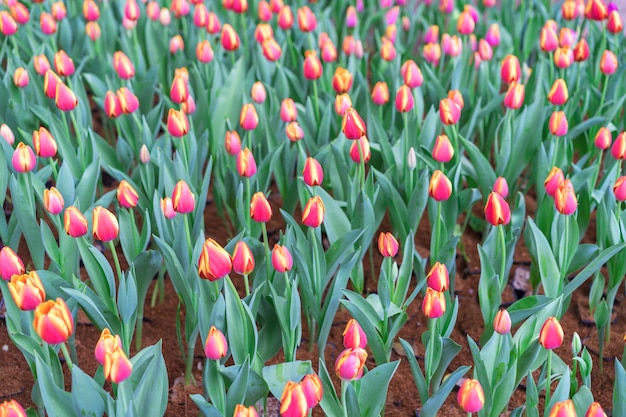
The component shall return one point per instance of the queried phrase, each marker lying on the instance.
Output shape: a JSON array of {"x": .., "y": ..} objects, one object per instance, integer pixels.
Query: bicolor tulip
[
  {"x": 288, "y": 110},
  {"x": 200, "y": 15},
  {"x": 204, "y": 51},
  {"x": 10, "y": 263},
  {"x": 19, "y": 12},
  {"x": 282, "y": 261},
  {"x": 313, "y": 212},
  {"x": 596, "y": 10},
  {"x": 353, "y": 336},
  {"x": 387, "y": 49},
  {"x": 432, "y": 53},
  {"x": 434, "y": 303},
  {"x": 451, "y": 45},
  {"x": 510, "y": 70},
  {"x": 501, "y": 187},
  {"x": 569, "y": 10},
  {"x": 485, "y": 52},
  {"x": 342, "y": 103},
  {"x": 258, "y": 93},
  {"x": 312, "y": 67},
  {"x": 404, "y": 99},
  {"x": 618, "y": 149},
  {"x": 360, "y": 150},
  {"x": 243, "y": 411},
  {"x": 44, "y": 144},
  {"x": 74, "y": 221},
  {"x": 91, "y": 11},
  {"x": 380, "y": 93},
  {"x": 313, "y": 174},
  {"x": 608, "y": 62},
  {"x": 502, "y": 322},
  {"x": 294, "y": 132},
  {"x": 514, "y": 97},
  {"x": 24, "y": 159},
  {"x": 548, "y": 39},
  {"x": 313, "y": 389},
  {"x": 105, "y": 225},
  {"x": 177, "y": 123},
  {"x": 581, "y": 50},
  {"x": 128, "y": 101},
  {"x": 567, "y": 37},
  {"x": 352, "y": 125},
  {"x": 563, "y": 409},
  {"x": 595, "y": 410},
  {"x": 183, "y": 200},
  {"x": 285, "y": 18},
  {"x": 27, "y": 290},
  {"x": 112, "y": 106},
  {"x": 213, "y": 24},
  {"x": 465, "y": 23},
  {"x": 64, "y": 98},
  {"x": 440, "y": 187},
  {"x": 8, "y": 25},
  {"x": 306, "y": 19},
  {"x": 214, "y": 262},
  {"x": 127, "y": 195},
  {"x": 432, "y": 34},
  {"x": 123, "y": 65},
  {"x": 179, "y": 91},
  {"x": 563, "y": 57},
  {"x": 246, "y": 165},
  {"x": 188, "y": 106},
  {"x": 47, "y": 23},
  {"x": 471, "y": 396},
  {"x": 443, "y": 151},
  {"x": 53, "y": 321},
  {"x": 558, "y": 123},
  {"x": 558, "y": 94},
  {"x": 216, "y": 346},
  {"x": 387, "y": 245},
  {"x": 230, "y": 38},
  {"x": 603, "y": 139},
  {"x": 449, "y": 111},
  {"x": 243, "y": 259},
  {"x": 53, "y": 201},
  {"x": 619, "y": 189},
  {"x": 411, "y": 74},
  {"x": 7, "y": 134},
  {"x": 93, "y": 31},
  {"x": 248, "y": 118},
  {"x": 552, "y": 181},
  {"x": 350, "y": 363},
  {"x": 117, "y": 367},
  {"x": 342, "y": 80},
  {"x": 565, "y": 198},
  {"x": 167, "y": 207},
  {"x": 106, "y": 343},
  {"x": 293, "y": 402},
  {"x": 614, "y": 24},
  {"x": 264, "y": 11},
  {"x": 20, "y": 77},
  {"x": 260, "y": 209},
  {"x": 551, "y": 334},
  {"x": 232, "y": 142},
  {"x": 438, "y": 277},
  {"x": 351, "y": 17},
  {"x": 12, "y": 408},
  {"x": 271, "y": 49},
  {"x": 63, "y": 64},
  {"x": 493, "y": 35},
  {"x": 497, "y": 211}
]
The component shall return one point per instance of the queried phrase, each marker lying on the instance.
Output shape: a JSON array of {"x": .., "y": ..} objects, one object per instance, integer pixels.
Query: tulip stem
[
  {"x": 431, "y": 345},
  {"x": 548, "y": 378},
  {"x": 246, "y": 282},
  {"x": 316, "y": 104},
  {"x": 344, "y": 389},
  {"x": 118, "y": 269},
  {"x": 188, "y": 234},
  {"x": 66, "y": 355},
  {"x": 604, "y": 88},
  {"x": 267, "y": 250},
  {"x": 503, "y": 255},
  {"x": 435, "y": 254}
]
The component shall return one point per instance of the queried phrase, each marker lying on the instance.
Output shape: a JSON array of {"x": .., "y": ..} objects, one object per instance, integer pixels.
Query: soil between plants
[{"x": 402, "y": 400}]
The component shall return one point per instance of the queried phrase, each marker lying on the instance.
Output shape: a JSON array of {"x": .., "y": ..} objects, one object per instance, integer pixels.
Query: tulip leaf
[
  {"x": 99, "y": 271},
  {"x": 206, "y": 408},
  {"x": 542, "y": 253},
  {"x": 435, "y": 401},
  {"x": 591, "y": 268},
  {"x": 277, "y": 376},
  {"x": 242, "y": 331},
  {"x": 88, "y": 398},
  {"x": 57, "y": 402}
]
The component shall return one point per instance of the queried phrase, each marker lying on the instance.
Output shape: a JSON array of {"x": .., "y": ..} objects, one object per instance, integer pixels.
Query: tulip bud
[
  {"x": 123, "y": 65},
  {"x": 608, "y": 63},
  {"x": 306, "y": 19},
  {"x": 434, "y": 304},
  {"x": 24, "y": 159},
  {"x": 42, "y": 65},
  {"x": 246, "y": 165},
  {"x": 554, "y": 178},
  {"x": 44, "y": 143},
  {"x": 63, "y": 64},
  {"x": 342, "y": 80},
  {"x": 47, "y": 23},
  {"x": 563, "y": 57},
  {"x": 271, "y": 49},
  {"x": 312, "y": 66},
  {"x": 614, "y": 25},
  {"x": 248, "y": 118},
  {"x": 293, "y": 402},
  {"x": 19, "y": 12},
  {"x": 230, "y": 38},
  {"x": 451, "y": 45},
  {"x": 177, "y": 123},
  {"x": 10, "y": 264},
  {"x": 264, "y": 11},
  {"x": 243, "y": 259},
  {"x": 112, "y": 106},
  {"x": 563, "y": 409},
  {"x": 167, "y": 207},
  {"x": 216, "y": 346},
  {"x": 596, "y": 10},
  {"x": 105, "y": 225},
  {"x": 106, "y": 343},
  {"x": 387, "y": 245},
  {"x": 595, "y": 410},
  {"x": 569, "y": 10},
  {"x": 440, "y": 187},
  {"x": 443, "y": 151},
  {"x": 618, "y": 149},
  {"x": 64, "y": 98},
  {"x": 258, "y": 93},
  {"x": 27, "y": 291},
  {"x": 558, "y": 123},
  {"x": 565, "y": 198},
  {"x": 313, "y": 213},
  {"x": 183, "y": 200},
  {"x": 294, "y": 132},
  {"x": 243, "y": 411},
  {"x": 465, "y": 24},
  {"x": 603, "y": 139},
  {"x": 214, "y": 262},
  {"x": 91, "y": 11},
  {"x": 117, "y": 367},
  {"x": 551, "y": 334},
  {"x": 350, "y": 363},
  {"x": 471, "y": 396},
  {"x": 179, "y": 91},
  {"x": 501, "y": 187},
  {"x": 581, "y": 50},
  {"x": 380, "y": 93},
  {"x": 285, "y": 18},
  {"x": 548, "y": 40},
  {"x": 282, "y": 260},
  {"x": 510, "y": 70},
  {"x": 502, "y": 322},
  {"x": 514, "y": 97},
  {"x": 493, "y": 35},
  {"x": 558, "y": 93},
  {"x": 53, "y": 321},
  {"x": 131, "y": 10},
  {"x": 127, "y": 100},
  {"x": 352, "y": 125},
  {"x": 7, "y": 134},
  {"x": 438, "y": 277},
  {"x": 232, "y": 142},
  {"x": 312, "y": 173},
  {"x": 432, "y": 34},
  {"x": 353, "y": 335},
  {"x": 53, "y": 201},
  {"x": 449, "y": 111},
  {"x": 497, "y": 210},
  {"x": 360, "y": 148},
  {"x": 20, "y": 77},
  {"x": 313, "y": 389},
  {"x": 432, "y": 53},
  {"x": 204, "y": 51},
  {"x": 260, "y": 209},
  {"x": 75, "y": 222},
  {"x": 288, "y": 110},
  {"x": 8, "y": 25},
  {"x": 329, "y": 52},
  {"x": 126, "y": 195},
  {"x": 619, "y": 189},
  {"x": 387, "y": 49},
  {"x": 404, "y": 99}
]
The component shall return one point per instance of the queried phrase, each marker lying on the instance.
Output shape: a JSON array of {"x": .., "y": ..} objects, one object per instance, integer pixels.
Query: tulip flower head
[
  {"x": 501, "y": 187},
  {"x": 74, "y": 221},
  {"x": 493, "y": 35},
  {"x": 20, "y": 77},
  {"x": 288, "y": 110},
  {"x": 12, "y": 408},
  {"x": 246, "y": 165},
  {"x": 434, "y": 303},
  {"x": 313, "y": 174},
  {"x": 7, "y": 134},
  {"x": 127, "y": 100},
  {"x": 27, "y": 291},
  {"x": 443, "y": 151},
  {"x": 230, "y": 38},
  {"x": 465, "y": 23},
  {"x": 183, "y": 200},
  {"x": 619, "y": 189},
  {"x": 260, "y": 209},
  {"x": 360, "y": 150},
  {"x": 342, "y": 80},
  {"x": 214, "y": 262},
  {"x": 306, "y": 19},
  {"x": 502, "y": 322},
  {"x": 293, "y": 402},
  {"x": 352, "y": 125},
  {"x": 216, "y": 346},
  {"x": 438, "y": 277},
  {"x": 581, "y": 50},
  {"x": 313, "y": 212},
  {"x": 243, "y": 411},
  {"x": 603, "y": 139},
  {"x": 53, "y": 201},
  {"x": 440, "y": 187},
  {"x": 64, "y": 98},
  {"x": 380, "y": 93},
  {"x": 614, "y": 24},
  {"x": 282, "y": 261},
  {"x": 497, "y": 211},
  {"x": 258, "y": 93},
  {"x": 126, "y": 195},
  {"x": 432, "y": 53},
  {"x": 387, "y": 245},
  {"x": 167, "y": 207},
  {"x": 294, "y": 132},
  {"x": 618, "y": 149},
  {"x": 312, "y": 66},
  {"x": 105, "y": 225},
  {"x": 404, "y": 99},
  {"x": 313, "y": 389},
  {"x": 596, "y": 10},
  {"x": 595, "y": 410},
  {"x": 510, "y": 70},
  {"x": 53, "y": 321},
  {"x": 350, "y": 364},
  {"x": 177, "y": 123},
  {"x": 449, "y": 111},
  {"x": 608, "y": 62},
  {"x": 554, "y": 178},
  {"x": 243, "y": 259},
  {"x": 248, "y": 118},
  {"x": 558, "y": 123},
  {"x": 50, "y": 82},
  {"x": 353, "y": 335},
  {"x": 565, "y": 199},
  {"x": 471, "y": 396},
  {"x": 551, "y": 334},
  {"x": 411, "y": 74},
  {"x": 24, "y": 159},
  {"x": 563, "y": 409},
  {"x": 10, "y": 264}
]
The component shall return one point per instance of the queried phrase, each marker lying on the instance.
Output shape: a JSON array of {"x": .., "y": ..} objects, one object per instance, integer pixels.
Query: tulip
[
  {"x": 446, "y": 6},
  {"x": 614, "y": 25},
  {"x": 348, "y": 45},
  {"x": 352, "y": 125},
  {"x": 126, "y": 195},
  {"x": 123, "y": 65},
  {"x": 558, "y": 93},
  {"x": 177, "y": 123},
  {"x": 63, "y": 64},
  {"x": 106, "y": 343},
  {"x": 342, "y": 103},
  {"x": 264, "y": 11},
  {"x": 565, "y": 198},
  {"x": 551, "y": 334},
  {"x": 567, "y": 37},
  {"x": 53, "y": 201},
  {"x": 44, "y": 144},
  {"x": 294, "y": 132},
  {"x": 260, "y": 209},
  {"x": 248, "y": 118},
  {"x": 243, "y": 259},
  {"x": 10, "y": 264},
  {"x": 7, "y": 134},
  {"x": 434, "y": 303},
  {"x": 411, "y": 74},
  {"x": 449, "y": 111},
  {"x": 360, "y": 148},
  {"x": 596, "y": 10},
  {"x": 510, "y": 70},
  {"x": 451, "y": 45},
  {"x": 443, "y": 151},
  {"x": 91, "y": 11},
  {"x": 608, "y": 63},
  {"x": 53, "y": 321},
  {"x": 353, "y": 336},
  {"x": 19, "y": 12},
  {"x": 563, "y": 57},
  {"x": 581, "y": 51},
  {"x": 502, "y": 322},
  {"x": 342, "y": 80},
  {"x": 313, "y": 174},
  {"x": 189, "y": 106},
  {"x": 232, "y": 142},
  {"x": 440, "y": 187},
  {"x": 306, "y": 19},
  {"x": 548, "y": 40},
  {"x": 569, "y": 10},
  {"x": 563, "y": 409},
  {"x": 93, "y": 31},
  {"x": 200, "y": 15},
  {"x": 432, "y": 34},
  {"x": 387, "y": 49},
  {"x": 64, "y": 98},
  {"x": 131, "y": 10},
  {"x": 246, "y": 165},
  {"x": 619, "y": 189},
  {"x": 47, "y": 23},
  {"x": 20, "y": 77},
  {"x": 497, "y": 210},
  {"x": 282, "y": 260},
  {"x": 404, "y": 99},
  {"x": 313, "y": 213},
  {"x": 8, "y": 25},
  {"x": 285, "y": 18},
  {"x": 243, "y": 411},
  {"x": 179, "y": 91},
  {"x": 263, "y": 32},
  {"x": 112, "y": 106},
  {"x": 117, "y": 367},
  {"x": 183, "y": 200},
  {"x": 387, "y": 245},
  {"x": 312, "y": 67},
  {"x": 493, "y": 35},
  {"x": 501, "y": 187},
  {"x": 105, "y": 225},
  {"x": 214, "y": 262},
  {"x": 438, "y": 277},
  {"x": 240, "y": 6},
  {"x": 465, "y": 24},
  {"x": 75, "y": 222},
  {"x": 595, "y": 410},
  {"x": 555, "y": 177},
  {"x": 293, "y": 402},
  {"x": 380, "y": 93},
  {"x": 204, "y": 51},
  {"x": 350, "y": 363},
  {"x": 271, "y": 49},
  {"x": 167, "y": 207},
  {"x": 471, "y": 396},
  {"x": 288, "y": 110},
  {"x": 618, "y": 149},
  {"x": 603, "y": 139},
  {"x": 12, "y": 409},
  {"x": 24, "y": 159},
  {"x": 258, "y": 93},
  {"x": 558, "y": 123},
  {"x": 313, "y": 389},
  {"x": 213, "y": 24},
  {"x": 27, "y": 290},
  {"x": 127, "y": 100},
  {"x": 230, "y": 38}
]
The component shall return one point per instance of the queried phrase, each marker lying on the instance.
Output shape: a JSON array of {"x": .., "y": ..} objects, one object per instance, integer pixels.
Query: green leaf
[
  {"x": 88, "y": 398},
  {"x": 277, "y": 376},
  {"x": 99, "y": 271},
  {"x": 434, "y": 403},
  {"x": 206, "y": 408},
  {"x": 241, "y": 328},
  {"x": 619, "y": 388},
  {"x": 548, "y": 268},
  {"x": 374, "y": 386},
  {"x": 57, "y": 402}
]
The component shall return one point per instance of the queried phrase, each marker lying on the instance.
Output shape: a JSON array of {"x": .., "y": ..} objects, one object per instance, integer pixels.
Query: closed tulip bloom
[
  {"x": 565, "y": 198},
  {"x": 432, "y": 53},
  {"x": 548, "y": 39},
  {"x": 312, "y": 66},
  {"x": 214, "y": 262},
  {"x": 619, "y": 189},
  {"x": 342, "y": 103},
  {"x": 618, "y": 149},
  {"x": 44, "y": 144},
  {"x": 484, "y": 50},
  {"x": 497, "y": 210},
  {"x": 313, "y": 174},
  {"x": 204, "y": 51},
  {"x": 404, "y": 99},
  {"x": 493, "y": 35},
  {"x": 558, "y": 94},
  {"x": 112, "y": 106},
  {"x": 387, "y": 245},
  {"x": 306, "y": 19},
  {"x": 360, "y": 149},
  {"x": 232, "y": 142},
  {"x": 243, "y": 411},
  {"x": 10, "y": 263},
  {"x": 63, "y": 64},
  {"x": 563, "y": 57},
  {"x": 127, "y": 100},
  {"x": 53, "y": 321},
  {"x": 183, "y": 200},
  {"x": 167, "y": 207},
  {"x": 263, "y": 32},
  {"x": 179, "y": 91},
  {"x": 216, "y": 346},
  {"x": 117, "y": 367},
  {"x": 313, "y": 389},
  {"x": 411, "y": 74},
  {"x": 12, "y": 408},
  {"x": 457, "y": 97},
  {"x": 248, "y": 119},
  {"x": 200, "y": 15},
  {"x": 608, "y": 63},
  {"x": 501, "y": 187},
  {"x": 230, "y": 38},
  {"x": 438, "y": 277},
  {"x": 554, "y": 178},
  {"x": 7, "y": 134},
  {"x": 74, "y": 222},
  {"x": 567, "y": 37},
  {"x": 91, "y": 11},
  {"x": 293, "y": 402},
  {"x": 465, "y": 24},
  {"x": 387, "y": 49},
  {"x": 258, "y": 92},
  {"x": 105, "y": 225},
  {"x": 285, "y": 18},
  {"x": 8, "y": 25},
  {"x": 53, "y": 201},
  {"x": 563, "y": 409},
  {"x": 58, "y": 11},
  {"x": 451, "y": 45},
  {"x": 380, "y": 93},
  {"x": 603, "y": 139},
  {"x": 27, "y": 291},
  {"x": 510, "y": 70},
  {"x": 93, "y": 31},
  {"x": 581, "y": 51},
  {"x": 20, "y": 77},
  {"x": 123, "y": 65},
  {"x": 243, "y": 259},
  {"x": 264, "y": 11},
  {"x": 65, "y": 99},
  {"x": 551, "y": 334},
  {"x": 342, "y": 80},
  {"x": 614, "y": 25},
  {"x": 246, "y": 165},
  {"x": 271, "y": 49},
  {"x": 24, "y": 159},
  {"x": 440, "y": 187},
  {"x": 502, "y": 322},
  {"x": 350, "y": 363},
  {"x": 595, "y": 410},
  {"x": 19, "y": 12},
  {"x": 443, "y": 151},
  {"x": 432, "y": 34},
  {"x": 126, "y": 195},
  {"x": 596, "y": 10},
  {"x": 313, "y": 213},
  {"x": 352, "y": 125},
  {"x": 288, "y": 110},
  {"x": 239, "y": 6},
  {"x": 260, "y": 209},
  {"x": 188, "y": 106},
  {"x": 282, "y": 261},
  {"x": 471, "y": 396},
  {"x": 449, "y": 111},
  {"x": 213, "y": 24},
  {"x": 47, "y": 23},
  {"x": 434, "y": 304},
  {"x": 558, "y": 123},
  {"x": 294, "y": 132},
  {"x": 106, "y": 343},
  {"x": 42, "y": 65},
  {"x": 177, "y": 123},
  {"x": 353, "y": 335}
]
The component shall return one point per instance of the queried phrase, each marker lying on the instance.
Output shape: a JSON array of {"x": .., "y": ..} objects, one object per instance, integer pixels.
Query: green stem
[
  {"x": 266, "y": 244},
  {"x": 139, "y": 327},
  {"x": 191, "y": 345},
  {"x": 604, "y": 88},
  {"x": 246, "y": 282},
  {"x": 188, "y": 235},
  {"x": 548, "y": 378},
  {"x": 437, "y": 233},
  {"x": 503, "y": 255},
  {"x": 118, "y": 269},
  {"x": 553, "y": 161},
  {"x": 344, "y": 389},
  {"x": 429, "y": 368},
  {"x": 316, "y": 106},
  {"x": 66, "y": 355}
]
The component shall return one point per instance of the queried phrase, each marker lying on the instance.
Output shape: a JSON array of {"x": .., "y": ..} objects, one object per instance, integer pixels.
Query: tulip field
[{"x": 346, "y": 208}]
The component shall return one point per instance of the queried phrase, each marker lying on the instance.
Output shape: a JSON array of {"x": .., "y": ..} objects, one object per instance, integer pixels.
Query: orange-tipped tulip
[
  {"x": 131, "y": 10},
  {"x": 443, "y": 151},
  {"x": 438, "y": 277},
  {"x": 404, "y": 99},
  {"x": 123, "y": 65},
  {"x": 411, "y": 74},
  {"x": 563, "y": 409},
  {"x": 548, "y": 39},
  {"x": 204, "y": 51},
  {"x": 608, "y": 63},
  {"x": 380, "y": 93},
  {"x": 214, "y": 262},
  {"x": 10, "y": 263},
  {"x": 179, "y": 91},
  {"x": 306, "y": 19},
  {"x": 440, "y": 187},
  {"x": 64, "y": 98},
  {"x": 551, "y": 334},
  {"x": 387, "y": 49},
  {"x": 288, "y": 110},
  {"x": 7, "y": 134},
  {"x": 514, "y": 97},
  {"x": 91, "y": 11},
  {"x": 352, "y": 125},
  {"x": 282, "y": 261},
  {"x": 558, "y": 123},
  {"x": 248, "y": 119},
  {"x": 449, "y": 111},
  {"x": 112, "y": 106},
  {"x": 603, "y": 139},
  {"x": 497, "y": 210},
  {"x": 313, "y": 213},
  {"x": 27, "y": 291},
  {"x": 294, "y": 132},
  {"x": 243, "y": 411},
  {"x": 243, "y": 259},
  {"x": 360, "y": 150},
  {"x": 558, "y": 94},
  {"x": 183, "y": 200},
  {"x": 53, "y": 201},
  {"x": 465, "y": 23},
  {"x": 563, "y": 57},
  {"x": 471, "y": 396},
  {"x": 285, "y": 18},
  {"x": 106, "y": 343},
  {"x": 44, "y": 144},
  {"x": 8, "y": 25},
  {"x": 271, "y": 49},
  {"x": 74, "y": 221},
  {"x": 350, "y": 363},
  {"x": 434, "y": 304},
  {"x": 93, "y": 31},
  {"x": 246, "y": 165},
  {"x": 596, "y": 10},
  {"x": 342, "y": 80},
  {"x": 313, "y": 174},
  {"x": 501, "y": 187},
  {"x": 20, "y": 77},
  {"x": 614, "y": 25},
  {"x": 63, "y": 64},
  {"x": 618, "y": 149},
  {"x": 258, "y": 92},
  {"x": 510, "y": 70},
  {"x": 105, "y": 225},
  {"x": 128, "y": 101},
  {"x": 387, "y": 246},
  {"x": 554, "y": 178},
  {"x": 312, "y": 66},
  {"x": 260, "y": 209},
  {"x": 167, "y": 207},
  {"x": 595, "y": 410},
  {"x": 47, "y": 23},
  {"x": 619, "y": 189},
  {"x": 53, "y": 321},
  {"x": 581, "y": 50},
  {"x": 293, "y": 402},
  {"x": 24, "y": 159},
  {"x": 232, "y": 142},
  {"x": 502, "y": 322},
  {"x": 313, "y": 389},
  {"x": 126, "y": 195},
  {"x": 177, "y": 123},
  {"x": 565, "y": 198},
  {"x": 353, "y": 336},
  {"x": 117, "y": 367},
  {"x": 230, "y": 38},
  {"x": 12, "y": 408}
]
